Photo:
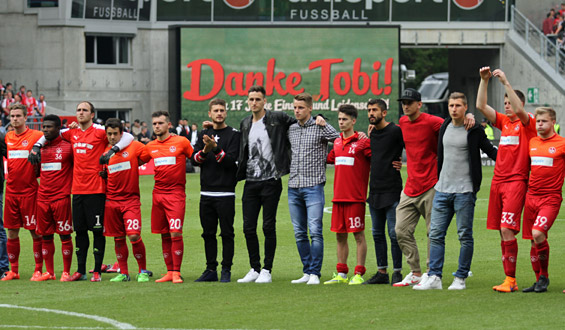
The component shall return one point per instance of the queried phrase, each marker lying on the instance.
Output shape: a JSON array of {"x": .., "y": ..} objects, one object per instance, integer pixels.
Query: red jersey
[
  {"x": 123, "y": 173},
  {"x": 169, "y": 157},
  {"x": 88, "y": 146},
  {"x": 352, "y": 159},
  {"x": 420, "y": 140},
  {"x": 30, "y": 103},
  {"x": 548, "y": 165},
  {"x": 22, "y": 179},
  {"x": 56, "y": 170},
  {"x": 512, "y": 161}
]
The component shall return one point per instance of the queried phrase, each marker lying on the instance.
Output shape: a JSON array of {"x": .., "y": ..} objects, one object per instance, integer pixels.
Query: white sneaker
[
  {"x": 433, "y": 283},
  {"x": 314, "y": 279},
  {"x": 410, "y": 279},
  {"x": 250, "y": 277},
  {"x": 424, "y": 279},
  {"x": 303, "y": 279},
  {"x": 264, "y": 277},
  {"x": 458, "y": 284}
]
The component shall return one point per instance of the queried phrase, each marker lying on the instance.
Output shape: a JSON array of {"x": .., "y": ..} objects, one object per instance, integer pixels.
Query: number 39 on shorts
[{"x": 175, "y": 224}]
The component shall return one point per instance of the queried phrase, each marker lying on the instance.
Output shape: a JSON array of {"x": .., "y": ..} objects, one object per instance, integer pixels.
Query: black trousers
[
  {"x": 212, "y": 211},
  {"x": 259, "y": 194}
]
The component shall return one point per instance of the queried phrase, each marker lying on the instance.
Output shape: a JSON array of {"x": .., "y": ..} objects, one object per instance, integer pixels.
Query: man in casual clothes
[
  {"x": 216, "y": 152},
  {"x": 460, "y": 176},
  {"x": 386, "y": 185},
  {"x": 309, "y": 145},
  {"x": 263, "y": 160},
  {"x": 510, "y": 180},
  {"x": 352, "y": 158}
]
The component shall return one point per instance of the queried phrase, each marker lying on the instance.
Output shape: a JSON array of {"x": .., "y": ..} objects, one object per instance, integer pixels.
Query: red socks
[
  {"x": 360, "y": 270},
  {"x": 535, "y": 260},
  {"x": 122, "y": 252},
  {"x": 167, "y": 255},
  {"x": 138, "y": 250},
  {"x": 67, "y": 251},
  {"x": 13, "y": 249},
  {"x": 48, "y": 250},
  {"x": 342, "y": 268},
  {"x": 38, "y": 254},
  {"x": 509, "y": 258},
  {"x": 177, "y": 248},
  {"x": 543, "y": 257}
]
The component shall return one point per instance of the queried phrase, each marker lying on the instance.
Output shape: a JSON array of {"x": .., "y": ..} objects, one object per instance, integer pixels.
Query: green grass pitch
[{"x": 281, "y": 305}]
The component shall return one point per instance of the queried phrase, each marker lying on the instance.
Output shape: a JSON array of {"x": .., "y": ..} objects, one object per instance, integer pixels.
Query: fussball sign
[{"x": 335, "y": 64}]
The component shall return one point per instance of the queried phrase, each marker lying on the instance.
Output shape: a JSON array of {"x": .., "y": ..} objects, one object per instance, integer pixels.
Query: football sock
[
  {"x": 13, "y": 249},
  {"x": 122, "y": 254},
  {"x": 167, "y": 255},
  {"x": 535, "y": 260},
  {"x": 82, "y": 243},
  {"x": 138, "y": 250},
  {"x": 342, "y": 269},
  {"x": 360, "y": 270},
  {"x": 37, "y": 254},
  {"x": 67, "y": 251},
  {"x": 48, "y": 250},
  {"x": 177, "y": 248},
  {"x": 503, "y": 248},
  {"x": 511, "y": 252},
  {"x": 543, "y": 256},
  {"x": 99, "y": 246}
]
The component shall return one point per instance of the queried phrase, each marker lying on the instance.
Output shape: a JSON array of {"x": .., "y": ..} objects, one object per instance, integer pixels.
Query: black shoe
[
  {"x": 378, "y": 278},
  {"x": 208, "y": 276},
  {"x": 396, "y": 277},
  {"x": 226, "y": 276},
  {"x": 530, "y": 289},
  {"x": 543, "y": 283}
]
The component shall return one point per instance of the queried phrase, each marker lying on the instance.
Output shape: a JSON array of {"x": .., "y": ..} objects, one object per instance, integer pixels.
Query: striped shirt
[{"x": 309, "y": 147}]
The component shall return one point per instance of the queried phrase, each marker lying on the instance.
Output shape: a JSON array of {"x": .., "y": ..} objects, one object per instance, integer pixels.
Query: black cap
[{"x": 410, "y": 94}]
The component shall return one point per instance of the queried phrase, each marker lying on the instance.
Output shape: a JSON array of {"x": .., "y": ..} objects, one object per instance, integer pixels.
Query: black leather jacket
[{"x": 276, "y": 124}]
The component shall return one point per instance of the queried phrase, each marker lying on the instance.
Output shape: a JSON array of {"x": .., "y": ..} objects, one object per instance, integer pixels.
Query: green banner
[{"x": 335, "y": 64}]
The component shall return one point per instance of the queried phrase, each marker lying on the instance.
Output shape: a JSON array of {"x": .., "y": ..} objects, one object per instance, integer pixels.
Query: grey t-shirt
[
  {"x": 260, "y": 164},
  {"x": 455, "y": 176}
]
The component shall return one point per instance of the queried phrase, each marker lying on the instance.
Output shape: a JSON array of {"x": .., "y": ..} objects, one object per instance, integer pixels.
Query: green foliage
[{"x": 425, "y": 61}]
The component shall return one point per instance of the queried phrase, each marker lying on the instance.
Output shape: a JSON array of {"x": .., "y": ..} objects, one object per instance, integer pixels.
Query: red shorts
[
  {"x": 167, "y": 212},
  {"x": 55, "y": 217},
  {"x": 348, "y": 217},
  {"x": 122, "y": 218},
  {"x": 505, "y": 205},
  {"x": 540, "y": 212},
  {"x": 19, "y": 211}
]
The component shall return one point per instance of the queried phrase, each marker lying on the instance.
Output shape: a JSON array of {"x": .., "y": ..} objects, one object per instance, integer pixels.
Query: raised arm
[
  {"x": 482, "y": 96},
  {"x": 515, "y": 101}
]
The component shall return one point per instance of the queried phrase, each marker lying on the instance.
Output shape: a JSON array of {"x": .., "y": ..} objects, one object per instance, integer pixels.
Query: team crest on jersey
[
  {"x": 25, "y": 143},
  {"x": 172, "y": 149},
  {"x": 516, "y": 127},
  {"x": 552, "y": 150},
  {"x": 59, "y": 150},
  {"x": 125, "y": 154}
]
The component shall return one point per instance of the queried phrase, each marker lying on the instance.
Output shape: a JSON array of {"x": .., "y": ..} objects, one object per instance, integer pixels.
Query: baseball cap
[{"x": 410, "y": 94}]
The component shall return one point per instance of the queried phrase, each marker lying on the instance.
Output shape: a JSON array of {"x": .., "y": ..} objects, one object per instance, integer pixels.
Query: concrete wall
[{"x": 51, "y": 60}]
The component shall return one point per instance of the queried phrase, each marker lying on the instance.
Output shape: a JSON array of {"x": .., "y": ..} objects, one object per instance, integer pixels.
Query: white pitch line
[
  {"x": 85, "y": 328},
  {"x": 114, "y": 323}
]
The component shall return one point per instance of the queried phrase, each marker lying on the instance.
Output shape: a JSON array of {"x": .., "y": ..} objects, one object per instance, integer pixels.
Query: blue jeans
[
  {"x": 4, "y": 265},
  {"x": 444, "y": 207},
  {"x": 306, "y": 206},
  {"x": 381, "y": 217}
]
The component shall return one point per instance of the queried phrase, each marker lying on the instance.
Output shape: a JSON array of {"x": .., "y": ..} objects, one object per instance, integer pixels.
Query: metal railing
[{"x": 547, "y": 48}]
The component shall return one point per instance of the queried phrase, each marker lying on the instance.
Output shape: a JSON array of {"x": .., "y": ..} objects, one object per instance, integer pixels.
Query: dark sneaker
[
  {"x": 226, "y": 276},
  {"x": 543, "y": 283},
  {"x": 396, "y": 277},
  {"x": 530, "y": 289},
  {"x": 378, "y": 278},
  {"x": 208, "y": 276}
]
